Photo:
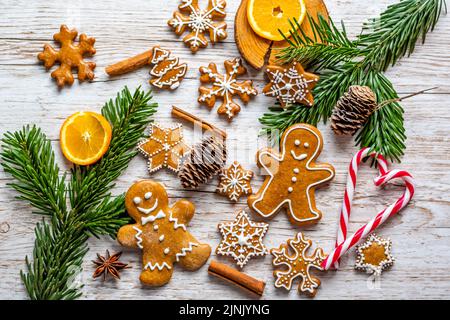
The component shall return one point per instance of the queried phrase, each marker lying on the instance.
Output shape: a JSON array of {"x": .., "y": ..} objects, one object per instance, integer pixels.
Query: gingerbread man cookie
[
  {"x": 293, "y": 176},
  {"x": 161, "y": 233}
]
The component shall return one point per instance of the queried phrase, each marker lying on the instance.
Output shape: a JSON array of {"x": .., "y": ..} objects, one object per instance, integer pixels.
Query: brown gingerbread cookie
[
  {"x": 299, "y": 264},
  {"x": 293, "y": 176},
  {"x": 225, "y": 86},
  {"x": 164, "y": 148},
  {"x": 290, "y": 84},
  {"x": 69, "y": 56},
  {"x": 374, "y": 255},
  {"x": 199, "y": 22},
  {"x": 161, "y": 232},
  {"x": 234, "y": 182}
]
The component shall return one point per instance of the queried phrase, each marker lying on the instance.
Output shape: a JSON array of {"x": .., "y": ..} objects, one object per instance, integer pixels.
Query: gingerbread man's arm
[
  {"x": 127, "y": 235},
  {"x": 323, "y": 171},
  {"x": 183, "y": 211},
  {"x": 269, "y": 160}
]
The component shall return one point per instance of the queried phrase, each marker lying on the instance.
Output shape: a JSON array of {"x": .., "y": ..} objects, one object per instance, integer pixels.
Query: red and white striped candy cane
[{"x": 343, "y": 244}]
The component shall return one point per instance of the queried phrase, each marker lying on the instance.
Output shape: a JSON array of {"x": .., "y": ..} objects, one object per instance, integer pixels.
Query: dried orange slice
[
  {"x": 85, "y": 137},
  {"x": 268, "y": 17}
]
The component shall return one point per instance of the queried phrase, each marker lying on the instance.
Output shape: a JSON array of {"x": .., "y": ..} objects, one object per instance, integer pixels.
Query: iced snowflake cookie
[
  {"x": 242, "y": 239},
  {"x": 298, "y": 264},
  {"x": 164, "y": 147},
  {"x": 293, "y": 176},
  {"x": 225, "y": 86},
  {"x": 374, "y": 255},
  {"x": 234, "y": 182},
  {"x": 69, "y": 56},
  {"x": 199, "y": 22},
  {"x": 290, "y": 84},
  {"x": 161, "y": 233}
]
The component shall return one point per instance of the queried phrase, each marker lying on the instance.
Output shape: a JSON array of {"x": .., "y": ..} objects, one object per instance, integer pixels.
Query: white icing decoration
[
  {"x": 297, "y": 142},
  {"x": 227, "y": 86},
  {"x": 148, "y": 195},
  {"x": 242, "y": 238},
  {"x": 235, "y": 180},
  {"x": 176, "y": 156},
  {"x": 166, "y": 251},
  {"x": 161, "y": 238},
  {"x": 148, "y": 210},
  {"x": 138, "y": 237},
  {"x": 176, "y": 225},
  {"x": 306, "y": 145},
  {"x": 308, "y": 167},
  {"x": 184, "y": 251},
  {"x": 290, "y": 189},
  {"x": 155, "y": 227},
  {"x": 153, "y": 266},
  {"x": 294, "y": 179},
  {"x": 296, "y": 170},
  {"x": 294, "y": 89},
  {"x": 137, "y": 200},
  {"x": 199, "y": 22},
  {"x": 300, "y": 157},
  {"x": 145, "y": 220}
]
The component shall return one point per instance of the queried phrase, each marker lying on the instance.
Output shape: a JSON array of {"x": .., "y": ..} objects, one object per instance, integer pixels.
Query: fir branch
[
  {"x": 396, "y": 31},
  {"x": 28, "y": 156},
  {"x": 326, "y": 49},
  {"x": 342, "y": 63},
  {"x": 60, "y": 244}
]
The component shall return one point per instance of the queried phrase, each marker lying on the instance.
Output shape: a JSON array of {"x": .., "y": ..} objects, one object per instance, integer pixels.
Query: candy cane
[{"x": 343, "y": 244}]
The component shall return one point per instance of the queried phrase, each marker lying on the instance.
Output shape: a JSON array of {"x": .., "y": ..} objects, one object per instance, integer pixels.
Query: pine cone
[
  {"x": 203, "y": 162},
  {"x": 353, "y": 110}
]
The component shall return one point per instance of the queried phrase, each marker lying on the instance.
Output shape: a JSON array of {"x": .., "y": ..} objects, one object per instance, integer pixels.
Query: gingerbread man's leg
[
  {"x": 155, "y": 277},
  {"x": 196, "y": 254}
]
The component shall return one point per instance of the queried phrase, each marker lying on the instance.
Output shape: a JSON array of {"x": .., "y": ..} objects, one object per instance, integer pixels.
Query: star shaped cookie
[
  {"x": 242, "y": 238},
  {"x": 374, "y": 255},
  {"x": 235, "y": 182},
  {"x": 164, "y": 147},
  {"x": 290, "y": 85}
]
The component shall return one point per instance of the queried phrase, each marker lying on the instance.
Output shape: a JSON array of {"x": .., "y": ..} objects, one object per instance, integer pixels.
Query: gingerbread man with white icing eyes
[
  {"x": 293, "y": 176},
  {"x": 161, "y": 233}
]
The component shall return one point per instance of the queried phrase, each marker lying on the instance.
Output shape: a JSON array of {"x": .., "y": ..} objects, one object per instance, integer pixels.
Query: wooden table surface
[{"x": 420, "y": 234}]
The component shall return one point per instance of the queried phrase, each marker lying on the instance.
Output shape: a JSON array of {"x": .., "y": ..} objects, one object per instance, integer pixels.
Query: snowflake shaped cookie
[
  {"x": 290, "y": 85},
  {"x": 199, "y": 22},
  {"x": 164, "y": 147},
  {"x": 235, "y": 182},
  {"x": 242, "y": 239},
  {"x": 299, "y": 265},
  {"x": 374, "y": 255},
  {"x": 225, "y": 86},
  {"x": 69, "y": 56}
]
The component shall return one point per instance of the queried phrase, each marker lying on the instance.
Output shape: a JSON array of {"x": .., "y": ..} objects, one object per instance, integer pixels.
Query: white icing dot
[
  {"x": 296, "y": 170},
  {"x": 297, "y": 142},
  {"x": 148, "y": 195},
  {"x": 136, "y": 200},
  {"x": 166, "y": 251},
  {"x": 306, "y": 145},
  {"x": 294, "y": 179},
  {"x": 161, "y": 238},
  {"x": 155, "y": 227},
  {"x": 290, "y": 189}
]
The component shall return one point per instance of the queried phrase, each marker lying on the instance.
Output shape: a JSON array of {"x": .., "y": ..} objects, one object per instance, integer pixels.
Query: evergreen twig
[
  {"x": 342, "y": 62},
  {"x": 60, "y": 243}
]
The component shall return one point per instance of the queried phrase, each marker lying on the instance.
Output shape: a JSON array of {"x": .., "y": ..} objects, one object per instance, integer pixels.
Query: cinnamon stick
[
  {"x": 182, "y": 114},
  {"x": 129, "y": 64},
  {"x": 236, "y": 277}
]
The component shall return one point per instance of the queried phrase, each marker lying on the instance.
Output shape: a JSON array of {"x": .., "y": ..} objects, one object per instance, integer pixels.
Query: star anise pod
[{"x": 109, "y": 264}]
